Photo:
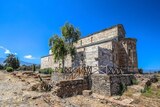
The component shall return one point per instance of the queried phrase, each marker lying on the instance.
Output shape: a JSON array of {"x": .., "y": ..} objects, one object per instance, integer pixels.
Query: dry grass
[
  {"x": 152, "y": 92},
  {"x": 129, "y": 92},
  {"x": 150, "y": 98}
]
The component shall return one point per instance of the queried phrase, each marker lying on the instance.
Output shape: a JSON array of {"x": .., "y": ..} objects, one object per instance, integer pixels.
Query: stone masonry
[
  {"x": 108, "y": 47},
  {"x": 110, "y": 84}
]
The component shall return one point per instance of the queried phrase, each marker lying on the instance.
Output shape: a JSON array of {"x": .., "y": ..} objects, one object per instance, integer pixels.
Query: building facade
[{"x": 108, "y": 47}]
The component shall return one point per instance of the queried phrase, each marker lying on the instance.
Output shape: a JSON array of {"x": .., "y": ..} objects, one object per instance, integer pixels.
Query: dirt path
[{"x": 14, "y": 92}]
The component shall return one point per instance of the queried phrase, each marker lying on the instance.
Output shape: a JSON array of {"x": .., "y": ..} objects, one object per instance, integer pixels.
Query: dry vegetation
[
  {"x": 16, "y": 91},
  {"x": 149, "y": 98}
]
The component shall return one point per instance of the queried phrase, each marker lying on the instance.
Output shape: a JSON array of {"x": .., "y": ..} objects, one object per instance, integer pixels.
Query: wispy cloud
[
  {"x": 29, "y": 57},
  {"x": 6, "y": 51}
]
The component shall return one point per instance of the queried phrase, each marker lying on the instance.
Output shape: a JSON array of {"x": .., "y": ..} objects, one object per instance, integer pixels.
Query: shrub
[
  {"x": 9, "y": 69},
  {"x": 135, "y": 82},
  {"x": 26, "y": 68},
  {"x": 154, "y": 79},
  {"x": 33, "y": 67},
  {"x": 1, "y": 67},
  {"x": 140, "y": 71},
  {"x": 60, "y": 70},
  {"x": 123, "y": 88},
  {"x": 46, "y": 71},
  {"x": 147, "y": 91}
]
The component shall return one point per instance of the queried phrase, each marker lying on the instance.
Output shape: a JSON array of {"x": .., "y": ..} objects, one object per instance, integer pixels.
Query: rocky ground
[{"x": 17, "y": 91}]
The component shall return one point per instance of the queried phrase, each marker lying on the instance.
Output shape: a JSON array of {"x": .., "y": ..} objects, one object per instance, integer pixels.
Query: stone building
[{"x": 108, "y": 47}]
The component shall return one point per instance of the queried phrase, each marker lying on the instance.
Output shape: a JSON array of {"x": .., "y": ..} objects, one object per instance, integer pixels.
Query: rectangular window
[
  {"x": 129, "y": 52},
  {"x": 91, "y": 39}
]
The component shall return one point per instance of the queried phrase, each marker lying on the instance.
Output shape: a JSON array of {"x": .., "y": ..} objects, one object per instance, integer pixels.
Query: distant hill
[
  {"x": 21, "y": 62},
  {"x": 25, "y": 63},
  {"x": 2, "y": 60}
]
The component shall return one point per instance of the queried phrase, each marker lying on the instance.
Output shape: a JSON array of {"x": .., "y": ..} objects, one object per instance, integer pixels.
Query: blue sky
[{"x": 26, "y": 25}]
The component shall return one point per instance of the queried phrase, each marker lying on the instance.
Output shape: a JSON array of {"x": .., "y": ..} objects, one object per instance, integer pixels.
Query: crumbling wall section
[
  {"x": 69, "y": 88},
  {"x": 110, "y": 84}
]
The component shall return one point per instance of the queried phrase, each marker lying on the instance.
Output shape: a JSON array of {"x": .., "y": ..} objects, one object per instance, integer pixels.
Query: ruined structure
[{"x": 108, "y": 47}]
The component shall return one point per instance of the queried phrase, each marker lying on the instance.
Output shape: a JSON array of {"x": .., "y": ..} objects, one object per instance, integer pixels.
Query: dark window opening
[
  {"x": 91, "y": 39},
  {"x": 129, "y": 52}
]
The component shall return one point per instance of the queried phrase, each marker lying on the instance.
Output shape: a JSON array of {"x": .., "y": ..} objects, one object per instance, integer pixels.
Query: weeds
[
  {"x": 135, "y": 82},
  {"x": 123, "y": 88},
  {"x": 151, "y": 92}
]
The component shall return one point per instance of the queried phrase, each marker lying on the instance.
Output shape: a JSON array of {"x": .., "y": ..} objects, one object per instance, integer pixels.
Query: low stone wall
[
  {"x": 71, "y": 87},
  {"x": 56, "y": 77},
  {"x": 100, "y": 84},
  {"x": 116, "y": 82},
  {"x": 110, "y": 84}
]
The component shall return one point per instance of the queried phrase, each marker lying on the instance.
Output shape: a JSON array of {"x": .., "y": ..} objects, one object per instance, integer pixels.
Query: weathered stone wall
[
  {"x": 48, "y": 62},
  {"x": 104, "y": 54},
  {"x": 107, "y": 47},
  {"x": 56, "y": 77},
  {"x": 101, "y": 84},
  {"x": 110, "y": 84},
  {"x": 91, "y": 55},
  {"x": 128, "y": 54},
  {"x": 106, "y": 34},
  {"x": 116, "y": 82},
  {"x": 71, "y": 87}
]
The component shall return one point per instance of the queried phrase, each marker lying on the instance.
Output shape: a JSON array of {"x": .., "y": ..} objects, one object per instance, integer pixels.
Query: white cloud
[
  {"x": 6, "y": 51},
  {"x": 2, "y": 47},
  {"x": 29, "y": 57}
]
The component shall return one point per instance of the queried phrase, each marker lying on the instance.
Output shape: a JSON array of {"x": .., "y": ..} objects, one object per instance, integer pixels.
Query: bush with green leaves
[
  {"x": 25, "y": 68},
  {"x": 46, "y": 71},
  {"x": 9, "y": 69},
  {"x": 123, "y": 88},
  {"x": 135, "y": 82},
  {"x": 12, "y": 61},
  {"x": 1, "y": 67},
  {"x": 33, "y": 67},
  {"x": 60, "y": 70},
  {"x": 147, "y": 91},
  {"x": 140, "y": 71}
]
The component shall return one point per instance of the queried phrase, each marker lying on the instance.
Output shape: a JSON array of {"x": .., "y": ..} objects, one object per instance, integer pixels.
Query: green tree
[
  {"x": 140, "y": 71},
  {"x": 33, "y": 67},
  {"x": 71, "y": 36},
  {"x": 12, "y": 61},
  {"x": 64, "y": 45},
  {"x": 17, "y": 63},
  {"x": 58, "y": 48},
  {"x": 1, "y": 67}
]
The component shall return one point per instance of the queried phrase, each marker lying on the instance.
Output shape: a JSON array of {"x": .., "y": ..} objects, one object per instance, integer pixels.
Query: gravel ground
[{"x": 14, "y": 92}]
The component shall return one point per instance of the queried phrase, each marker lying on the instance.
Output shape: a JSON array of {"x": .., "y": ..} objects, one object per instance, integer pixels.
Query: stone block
[{"x": 87, "y": 92}]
